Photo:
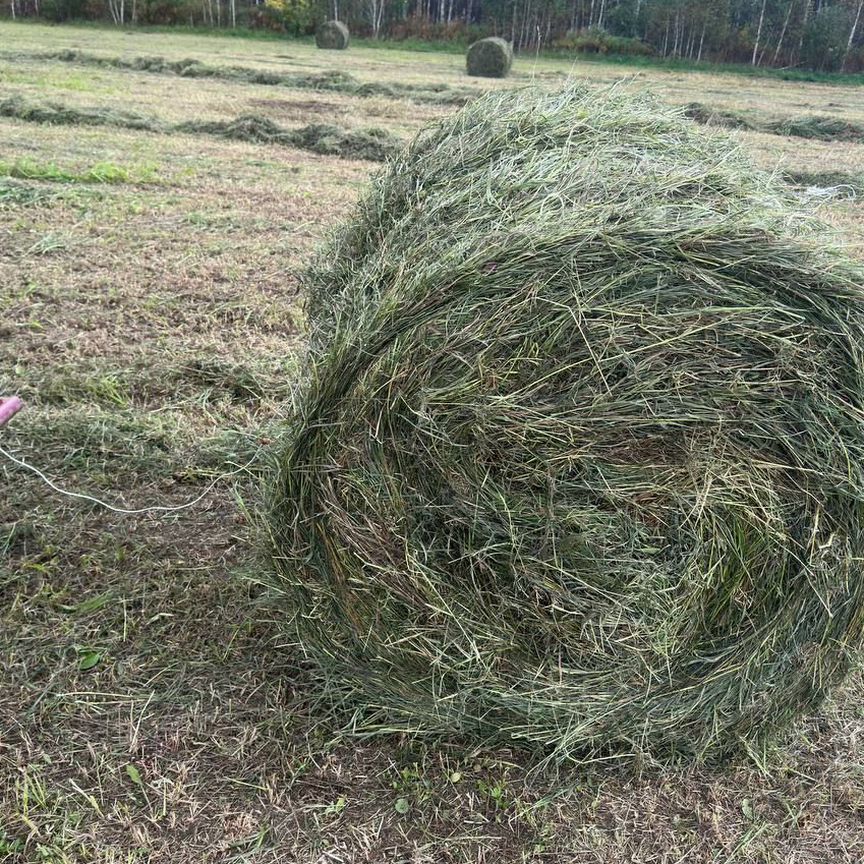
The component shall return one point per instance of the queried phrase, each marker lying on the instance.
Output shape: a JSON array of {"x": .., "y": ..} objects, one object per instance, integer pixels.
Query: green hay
[
  {"x": 54, "y": 114},
  {"x": 489, "y": 58},
  {"x": 843, "y": 181},
  {"x": 332, "y": 35},
  {"x": 576, "y": 464},
  {"x": 20, "y": 195},
  {"x": 717, "y": 116},
  {"x": 330, "y": 81},
  {"x": 820, "y": 128},
  {"x": 249, "y": 127},
  {"x": 374, "y": 144},
  {"x": 101, "y": 172}
]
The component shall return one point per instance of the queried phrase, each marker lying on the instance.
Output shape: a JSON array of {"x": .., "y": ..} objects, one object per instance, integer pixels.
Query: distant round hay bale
[
  {"x": 578, "y": 461},
  {"x": 332, "y": 35},
  {"x": 490, "y": 58}
]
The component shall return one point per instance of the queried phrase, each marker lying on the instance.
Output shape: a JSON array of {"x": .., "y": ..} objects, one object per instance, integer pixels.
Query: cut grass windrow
[
  {"x": 332, "y": 81},
  {"x": 14, "y": 194},
  {"x": 100, "y": 172},
  {"x": 372, "y": 143},
  {"x": 818, "y": 127},
  {"x": 847, "y": 181}
]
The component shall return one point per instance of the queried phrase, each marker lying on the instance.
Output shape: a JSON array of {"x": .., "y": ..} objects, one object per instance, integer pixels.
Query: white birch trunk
[
  {"x": 758, "y": 33},
  {"x": 852, "y": 34},
  {"x": 782, "y": 33}
]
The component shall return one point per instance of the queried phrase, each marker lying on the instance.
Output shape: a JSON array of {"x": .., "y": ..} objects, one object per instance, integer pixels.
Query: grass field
[{"x": 149, "y": 316}]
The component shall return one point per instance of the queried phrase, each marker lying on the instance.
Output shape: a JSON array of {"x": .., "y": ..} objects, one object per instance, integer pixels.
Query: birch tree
[
  {"x": 852, "y": 34},
  {"x": 758, "y": 33}
]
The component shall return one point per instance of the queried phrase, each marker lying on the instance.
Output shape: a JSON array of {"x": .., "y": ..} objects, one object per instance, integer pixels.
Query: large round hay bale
[
  {"x": 577, "y": 462},
  {"x": 489, "y": 58},
  {"x": 332, "y": 35}
]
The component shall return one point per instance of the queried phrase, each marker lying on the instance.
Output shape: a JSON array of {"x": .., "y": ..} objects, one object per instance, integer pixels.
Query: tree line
[{"x": 822, "y": 35}]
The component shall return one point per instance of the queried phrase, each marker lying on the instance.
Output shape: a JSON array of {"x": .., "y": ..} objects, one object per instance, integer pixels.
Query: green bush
[
  {"x": 421, "y": 32},
  {"x": 825, "y": 39},
  {"x": 63, "y": 10},
  {"x": 296, "y": 16},
  {"x": 600, "y": 42}
]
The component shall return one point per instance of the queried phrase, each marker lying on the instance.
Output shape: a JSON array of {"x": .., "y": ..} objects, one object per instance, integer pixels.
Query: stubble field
[{"x": 151, "y": 236}]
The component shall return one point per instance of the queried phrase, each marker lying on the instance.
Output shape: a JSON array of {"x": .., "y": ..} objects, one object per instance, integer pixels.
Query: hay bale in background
[
  {"x": 332, "y": 35},
  {"x": 577, "y": 463},
  {"x": 489, "y": 58}
]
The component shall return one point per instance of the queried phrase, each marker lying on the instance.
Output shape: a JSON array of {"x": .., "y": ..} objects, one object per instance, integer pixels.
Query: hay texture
[
  {"x": 371, "y": 143},
  {"x": 577, "y": 463},
  {"x": 817, "y": 127},
  {"x": 332, "y": 35},
  {"x": 489, "y": 58},
  {"x": 330, "y": 80}
]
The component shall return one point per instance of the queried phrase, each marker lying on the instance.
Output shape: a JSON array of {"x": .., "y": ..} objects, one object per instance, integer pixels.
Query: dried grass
[
  {"x": 577, "y": 462},
  {"x": 329, "y": 80},
  {"x": 816, "y": 127},
  {"x": 371, "y": 143},
  {"x": 489, "y": 58},
  {"x": 332, "y": 35}
]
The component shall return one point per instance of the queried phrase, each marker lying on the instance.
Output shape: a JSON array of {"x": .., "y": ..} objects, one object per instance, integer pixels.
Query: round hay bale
[
  {"x": 332, "y": 35},
  {"x": 577, "y": 463},
  {"x": 490, "y": 58}
]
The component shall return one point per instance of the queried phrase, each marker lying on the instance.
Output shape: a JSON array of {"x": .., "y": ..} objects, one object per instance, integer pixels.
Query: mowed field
[{"x": 150, "y": 316}]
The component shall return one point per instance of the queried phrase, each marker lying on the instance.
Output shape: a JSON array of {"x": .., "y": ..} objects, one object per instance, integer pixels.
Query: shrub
[
  {"x": 824, "y": 42},
  {"x": 421, "y": 30},
  {"x": 295, "y": 16},
  {"x": 599, "y": 42}
]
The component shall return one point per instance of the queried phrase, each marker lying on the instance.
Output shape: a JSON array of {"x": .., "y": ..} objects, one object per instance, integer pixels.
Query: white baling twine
[{"x": 16, "y": 405}]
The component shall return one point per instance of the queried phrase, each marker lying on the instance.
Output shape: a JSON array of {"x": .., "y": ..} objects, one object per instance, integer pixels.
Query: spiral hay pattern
[
  {"x": 577, "y": 463},
  {"x": 489, "y": 58},
  {"x": 332, "y": 35}
]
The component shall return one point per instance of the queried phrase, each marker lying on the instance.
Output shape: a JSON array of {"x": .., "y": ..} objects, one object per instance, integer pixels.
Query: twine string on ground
[{"x": 81, "y": 496}]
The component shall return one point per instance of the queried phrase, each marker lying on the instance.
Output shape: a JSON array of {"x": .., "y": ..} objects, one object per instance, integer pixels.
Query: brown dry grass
[{"x": 152, "y": 325}]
